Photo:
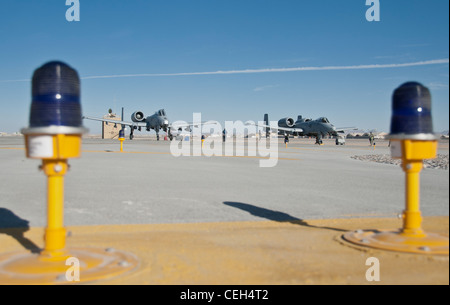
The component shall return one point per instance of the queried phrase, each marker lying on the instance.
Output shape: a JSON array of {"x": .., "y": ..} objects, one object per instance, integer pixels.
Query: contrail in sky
[{"x": 267, "y": 70}]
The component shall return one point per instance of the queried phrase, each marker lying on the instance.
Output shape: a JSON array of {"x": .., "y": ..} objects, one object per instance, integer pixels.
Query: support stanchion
[
  {"x": 54, "y": 136},
  {"x": 412, "y": 140},
  {"x": 121, "y": 139}
]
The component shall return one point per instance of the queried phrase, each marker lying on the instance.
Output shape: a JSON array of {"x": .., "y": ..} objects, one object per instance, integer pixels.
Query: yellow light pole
[
  {"x": 412, "y": 153},
  {"x": 55, "y": 233},
  {"x": 121, "y": 139},
  {"x": 54, "y": 136},
  {"x": 412, "y": 141}
]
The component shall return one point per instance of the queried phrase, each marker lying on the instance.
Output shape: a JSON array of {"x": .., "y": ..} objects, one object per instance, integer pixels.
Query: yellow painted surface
[
  {"x": 297, "y": 252},
  {"x": 121, "y": 144},
  {"x": 64, "y": 146},
  {"x": 411, "y": 238},
  {"x": 419, "y": 150}
]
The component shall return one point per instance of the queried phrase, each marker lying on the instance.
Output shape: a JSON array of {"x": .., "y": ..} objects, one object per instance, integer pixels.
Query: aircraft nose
[{"x": 166, "y": 122}]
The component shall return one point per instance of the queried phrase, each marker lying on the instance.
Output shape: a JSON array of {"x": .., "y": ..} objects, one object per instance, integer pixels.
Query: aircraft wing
[
  {"x": 177, "y": 125},
  {"x": 292, "y": 129},
  {"x": 344, "y": 129},
  {"x": 140, "y": 124}
]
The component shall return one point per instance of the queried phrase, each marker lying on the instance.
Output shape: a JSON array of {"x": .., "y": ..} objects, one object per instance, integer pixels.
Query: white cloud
[
  {"x": 273, "y": 70},
  {"x": 265, "y": 87},
  {"x": 268, "y": 70},
  {"x": 14, "y": 80},
  {"x": 437, "y": 86}
]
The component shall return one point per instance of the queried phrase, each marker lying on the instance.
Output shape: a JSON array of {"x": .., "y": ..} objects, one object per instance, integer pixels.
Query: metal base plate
[
  {"x": 94, "y": 264},
  {"x": 433, "y": 244}
]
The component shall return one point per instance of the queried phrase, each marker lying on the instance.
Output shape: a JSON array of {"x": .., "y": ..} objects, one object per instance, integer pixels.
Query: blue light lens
[
  {"x": 55, "y": 96},
  {"x": 411, "y": 110}
]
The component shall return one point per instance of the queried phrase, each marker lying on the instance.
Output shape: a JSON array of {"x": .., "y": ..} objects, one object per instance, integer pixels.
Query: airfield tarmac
[{"x": 225, "y": 220}]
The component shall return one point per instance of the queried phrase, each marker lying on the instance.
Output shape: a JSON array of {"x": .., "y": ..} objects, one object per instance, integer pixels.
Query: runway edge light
[
  {"x": 55, "y": 124},
  {"x": 121, "y": 138},
  {"x": 412, "y": 140},
  {"x": 54, "y": 135}
]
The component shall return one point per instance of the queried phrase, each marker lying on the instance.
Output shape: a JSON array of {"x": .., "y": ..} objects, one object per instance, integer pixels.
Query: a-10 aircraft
[
  {"x": 318, "y": 128},
  {"x": 157, "y": 121}
]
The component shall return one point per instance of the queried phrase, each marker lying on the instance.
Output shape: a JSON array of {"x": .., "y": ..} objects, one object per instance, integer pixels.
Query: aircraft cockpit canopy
[
  {"x": 324, "y": 120},
  {"x": 162, "y": 112}
]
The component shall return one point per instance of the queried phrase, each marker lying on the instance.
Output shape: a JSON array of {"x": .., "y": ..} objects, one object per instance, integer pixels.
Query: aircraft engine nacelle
[
  {"x": 286, "y": 122},
  {"x": 138, "y": 116}
]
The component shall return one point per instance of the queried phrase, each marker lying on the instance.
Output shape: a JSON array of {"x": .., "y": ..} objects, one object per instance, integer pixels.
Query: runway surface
[
  {"x": 146, "y": 188},
  {"x": 146, "y": 184}
]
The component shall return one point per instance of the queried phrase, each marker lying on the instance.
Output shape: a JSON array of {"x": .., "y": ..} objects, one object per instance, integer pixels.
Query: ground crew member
[
  {"x": 371, "y": 138},
  {"x": 286, "y": 138}
]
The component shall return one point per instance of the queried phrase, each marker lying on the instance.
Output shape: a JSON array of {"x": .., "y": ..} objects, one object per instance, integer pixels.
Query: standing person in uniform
[{"x": 224, "y": 135}]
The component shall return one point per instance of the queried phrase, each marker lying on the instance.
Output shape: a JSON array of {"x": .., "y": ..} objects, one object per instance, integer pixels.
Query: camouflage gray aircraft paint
[
  {"x": 157, "y": 121},
  {"x": 318, "y": 128}
]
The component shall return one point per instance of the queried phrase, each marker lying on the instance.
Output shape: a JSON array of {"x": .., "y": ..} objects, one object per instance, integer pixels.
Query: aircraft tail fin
[
  {"x": 123, "y": 126},
  {"x": 266, "y": 122}
]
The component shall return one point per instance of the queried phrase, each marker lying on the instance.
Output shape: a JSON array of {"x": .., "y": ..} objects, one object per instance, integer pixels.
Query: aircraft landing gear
[
  {"x": 132, "y": 128},
  {"x": 340, "y": 141},
  {"x": 169, "y": 133}
]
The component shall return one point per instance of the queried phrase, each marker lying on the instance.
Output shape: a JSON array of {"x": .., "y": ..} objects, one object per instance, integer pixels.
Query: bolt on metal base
[
  {"x": 37, "y": 269},
  {"x": 432, "y": 244}
]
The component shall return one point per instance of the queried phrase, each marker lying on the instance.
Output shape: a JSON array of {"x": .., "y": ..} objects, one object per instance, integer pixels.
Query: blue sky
[{"x": 146, "y": 39}]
